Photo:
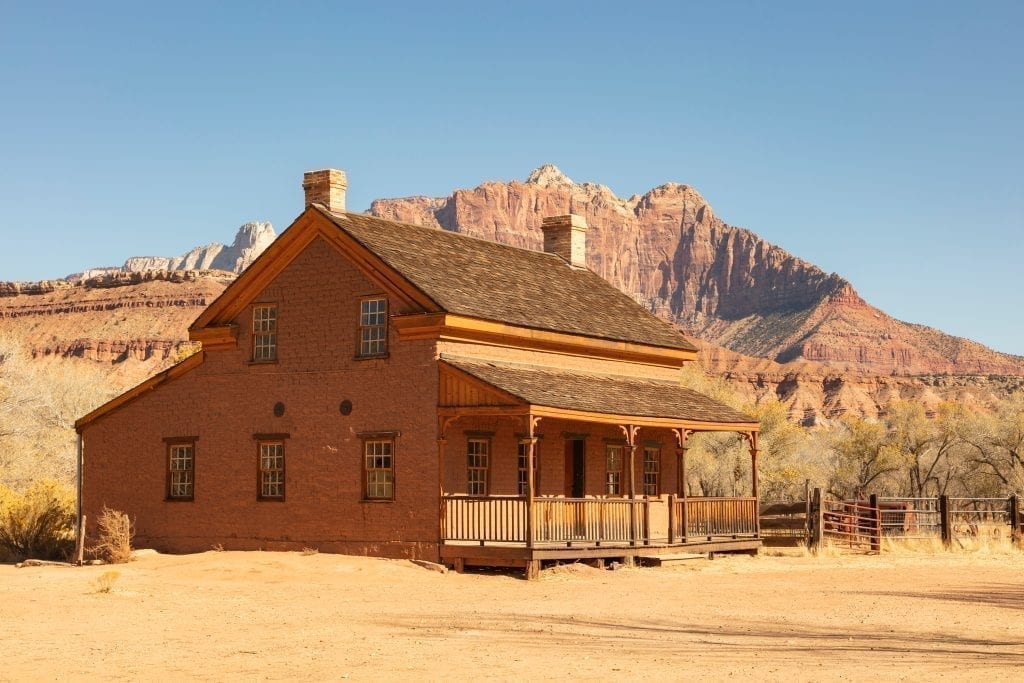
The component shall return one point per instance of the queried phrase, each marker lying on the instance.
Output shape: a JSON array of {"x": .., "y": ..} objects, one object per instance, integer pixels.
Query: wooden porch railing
[
  {"x": 498, "y": 519},
  {"x": 709, "y": 517},
  {"x": 595, "y": 521},
  {"x": 589, "y": 521}
]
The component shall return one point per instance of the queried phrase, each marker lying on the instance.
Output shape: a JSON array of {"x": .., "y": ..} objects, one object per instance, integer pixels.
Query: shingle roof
[
  {"x": 482, "y": 279},
  {"x": 598, "y": 393}
]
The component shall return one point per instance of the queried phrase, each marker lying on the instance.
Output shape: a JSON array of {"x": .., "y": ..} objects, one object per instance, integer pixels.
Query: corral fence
[{"x": 863, "y": 524}]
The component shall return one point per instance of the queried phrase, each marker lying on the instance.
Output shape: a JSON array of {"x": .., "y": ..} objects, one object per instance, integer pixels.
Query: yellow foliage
[{"x": 39, "y": 523}]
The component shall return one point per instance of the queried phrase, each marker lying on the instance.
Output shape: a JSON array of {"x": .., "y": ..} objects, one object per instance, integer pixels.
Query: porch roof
[{"x": 613, "y": 395}]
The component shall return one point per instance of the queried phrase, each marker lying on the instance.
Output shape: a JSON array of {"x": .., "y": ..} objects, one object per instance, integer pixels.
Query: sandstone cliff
[
  {"x": 134, "y": 323},
  {"x": 723, "y": 284}
]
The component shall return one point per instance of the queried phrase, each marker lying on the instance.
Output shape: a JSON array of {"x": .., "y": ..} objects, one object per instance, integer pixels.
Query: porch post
[
  {"x": 442, "y": 442},
  {"x": 754, "y": 482},
  {"x": 630, "y": 432},
  {"x": 753, "y": 463},
  {"x": 531, "y": 448},
  {"x": 681, "y": 435}
]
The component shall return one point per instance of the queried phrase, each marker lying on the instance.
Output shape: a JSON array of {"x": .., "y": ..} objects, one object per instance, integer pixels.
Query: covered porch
[{"x": 542, "y": 464}]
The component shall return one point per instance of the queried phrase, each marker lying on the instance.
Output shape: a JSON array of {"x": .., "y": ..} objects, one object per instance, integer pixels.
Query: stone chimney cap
[
  {"x": 566, "y": 236},
  {"x": 569, "y": 220},
  {"x": 326, "y": 187}
]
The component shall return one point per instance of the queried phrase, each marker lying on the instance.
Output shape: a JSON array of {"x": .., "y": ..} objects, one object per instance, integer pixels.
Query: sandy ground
[{"x": 234, "y": 615}]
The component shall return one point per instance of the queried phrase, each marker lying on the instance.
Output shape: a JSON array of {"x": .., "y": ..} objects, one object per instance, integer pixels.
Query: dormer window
[
  {"x": 373, "y": 327},
  {"x": 264, "y": 333}
]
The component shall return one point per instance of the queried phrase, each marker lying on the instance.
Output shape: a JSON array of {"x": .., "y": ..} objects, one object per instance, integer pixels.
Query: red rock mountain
[{"x": 720, "y": 283}]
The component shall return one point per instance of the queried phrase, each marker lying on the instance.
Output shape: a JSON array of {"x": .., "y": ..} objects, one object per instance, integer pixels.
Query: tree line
[{"x": 956, "y": 450}]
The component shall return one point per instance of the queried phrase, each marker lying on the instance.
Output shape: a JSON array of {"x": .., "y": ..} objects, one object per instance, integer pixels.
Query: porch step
[{"x": 670, "y": 558}]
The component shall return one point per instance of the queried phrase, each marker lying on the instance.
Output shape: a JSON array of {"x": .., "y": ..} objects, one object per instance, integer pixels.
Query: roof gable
[{"x": 300, "y": 234}]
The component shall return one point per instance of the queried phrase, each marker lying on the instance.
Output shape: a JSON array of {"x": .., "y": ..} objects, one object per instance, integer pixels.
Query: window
[
  {"x": 181, "y": 467},
  {"x": 613, "y": 470},
  {"x": 379, "y": 465},
  {"x": 264, "y": 333},
  {"x": 373, "y": 327},
  {"x": 524, "y": 472},
  {"x": 271, "y": 470},
  {"x": 478, "y": 460},
  {"x": 652, "y": 470}
]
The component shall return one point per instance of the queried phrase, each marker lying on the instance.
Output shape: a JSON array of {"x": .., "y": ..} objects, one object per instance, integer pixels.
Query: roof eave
[{"x": 453, "y": 327}]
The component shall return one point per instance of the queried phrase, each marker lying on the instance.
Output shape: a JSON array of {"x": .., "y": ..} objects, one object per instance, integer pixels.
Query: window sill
[
  {"x": 262, "y": 362},
  {"x": 374, "y": 501},
  {"x": 269, "y": 500},
  {"x": 179, "y": 500},
  {"x": 376, "y": 356}
]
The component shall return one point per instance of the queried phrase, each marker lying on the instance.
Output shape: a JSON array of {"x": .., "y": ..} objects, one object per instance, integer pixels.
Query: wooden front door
[{"x": 575, "y": 468}]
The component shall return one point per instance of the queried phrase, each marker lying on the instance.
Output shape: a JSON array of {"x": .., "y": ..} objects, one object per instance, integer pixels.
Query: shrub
[
  {"x": 39, "y": 523},
  {"x": 105, "y": 582},
  {"x": 115, "y": 533}
]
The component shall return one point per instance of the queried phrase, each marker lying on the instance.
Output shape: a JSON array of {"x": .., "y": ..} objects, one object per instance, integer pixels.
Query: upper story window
[
  {"x": 181, "y": 467},
  {"x": 264, "y": 332},
  {"x": 373, "y": 326},
  {"x": 613, "y": 470}
]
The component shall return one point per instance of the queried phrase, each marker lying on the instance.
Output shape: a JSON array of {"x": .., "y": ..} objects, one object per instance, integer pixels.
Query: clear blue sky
[{"x": 881, "y": 141}]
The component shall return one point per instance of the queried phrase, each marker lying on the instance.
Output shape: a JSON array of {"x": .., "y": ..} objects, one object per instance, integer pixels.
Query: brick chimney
[
  {"x": 566, "y": 236},
  {"x": 327, "y": 188}
]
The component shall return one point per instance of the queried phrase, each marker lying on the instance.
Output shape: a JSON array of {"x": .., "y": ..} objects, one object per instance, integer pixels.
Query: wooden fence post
[
  {"x": 876, "y": 524},
  {"x": 945, "y": 519},
  {"x": 815, "y": 520},
  {"x": 1016, "y": 528}
]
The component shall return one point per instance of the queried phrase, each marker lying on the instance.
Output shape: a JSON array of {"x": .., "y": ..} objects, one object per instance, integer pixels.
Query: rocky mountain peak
[
  {"x": 548, "y": 175},
  {"x": 254, "y": 233},
  {"x": 250, "y": 241}
]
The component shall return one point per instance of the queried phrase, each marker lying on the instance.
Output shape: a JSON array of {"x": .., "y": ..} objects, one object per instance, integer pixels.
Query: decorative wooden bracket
[
  {"x": 531, "y": 421},
  {"x": 443, "y": 423},
  {"x": 630, "y": 432},
  {"x": 682, "y": 434},
  {"x": 751, "y": 438}
]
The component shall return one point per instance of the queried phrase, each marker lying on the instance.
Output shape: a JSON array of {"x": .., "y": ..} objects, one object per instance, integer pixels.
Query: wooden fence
[{"x": 862, "y": 524}]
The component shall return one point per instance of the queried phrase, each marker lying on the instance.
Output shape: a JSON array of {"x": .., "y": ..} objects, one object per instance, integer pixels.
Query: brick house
[{"x": 370, "y": 387}]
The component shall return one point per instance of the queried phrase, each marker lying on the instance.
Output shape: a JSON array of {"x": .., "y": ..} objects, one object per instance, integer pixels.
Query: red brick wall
[{"x": 226, "y": 400}]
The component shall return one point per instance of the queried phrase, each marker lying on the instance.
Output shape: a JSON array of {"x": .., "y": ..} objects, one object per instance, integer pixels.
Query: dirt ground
[{"x": 261, "y": 615}]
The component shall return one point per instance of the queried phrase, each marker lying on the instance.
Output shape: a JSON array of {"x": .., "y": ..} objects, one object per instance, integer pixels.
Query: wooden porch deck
[{"x": 509, "y": 531}]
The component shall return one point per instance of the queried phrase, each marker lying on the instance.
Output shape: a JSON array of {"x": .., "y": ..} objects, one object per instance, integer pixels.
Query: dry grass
[
  {"x": 104, "y": 583},
  {"x": 115, "y": 537},
  {"x": 310, "y": 551},
  {"x": 988, "y": 539}
]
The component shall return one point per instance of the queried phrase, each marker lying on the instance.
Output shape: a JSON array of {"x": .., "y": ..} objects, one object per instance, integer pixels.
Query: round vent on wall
[
  {"x": 278, "y": 409},
  {"x": 346, "y": 407}
]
